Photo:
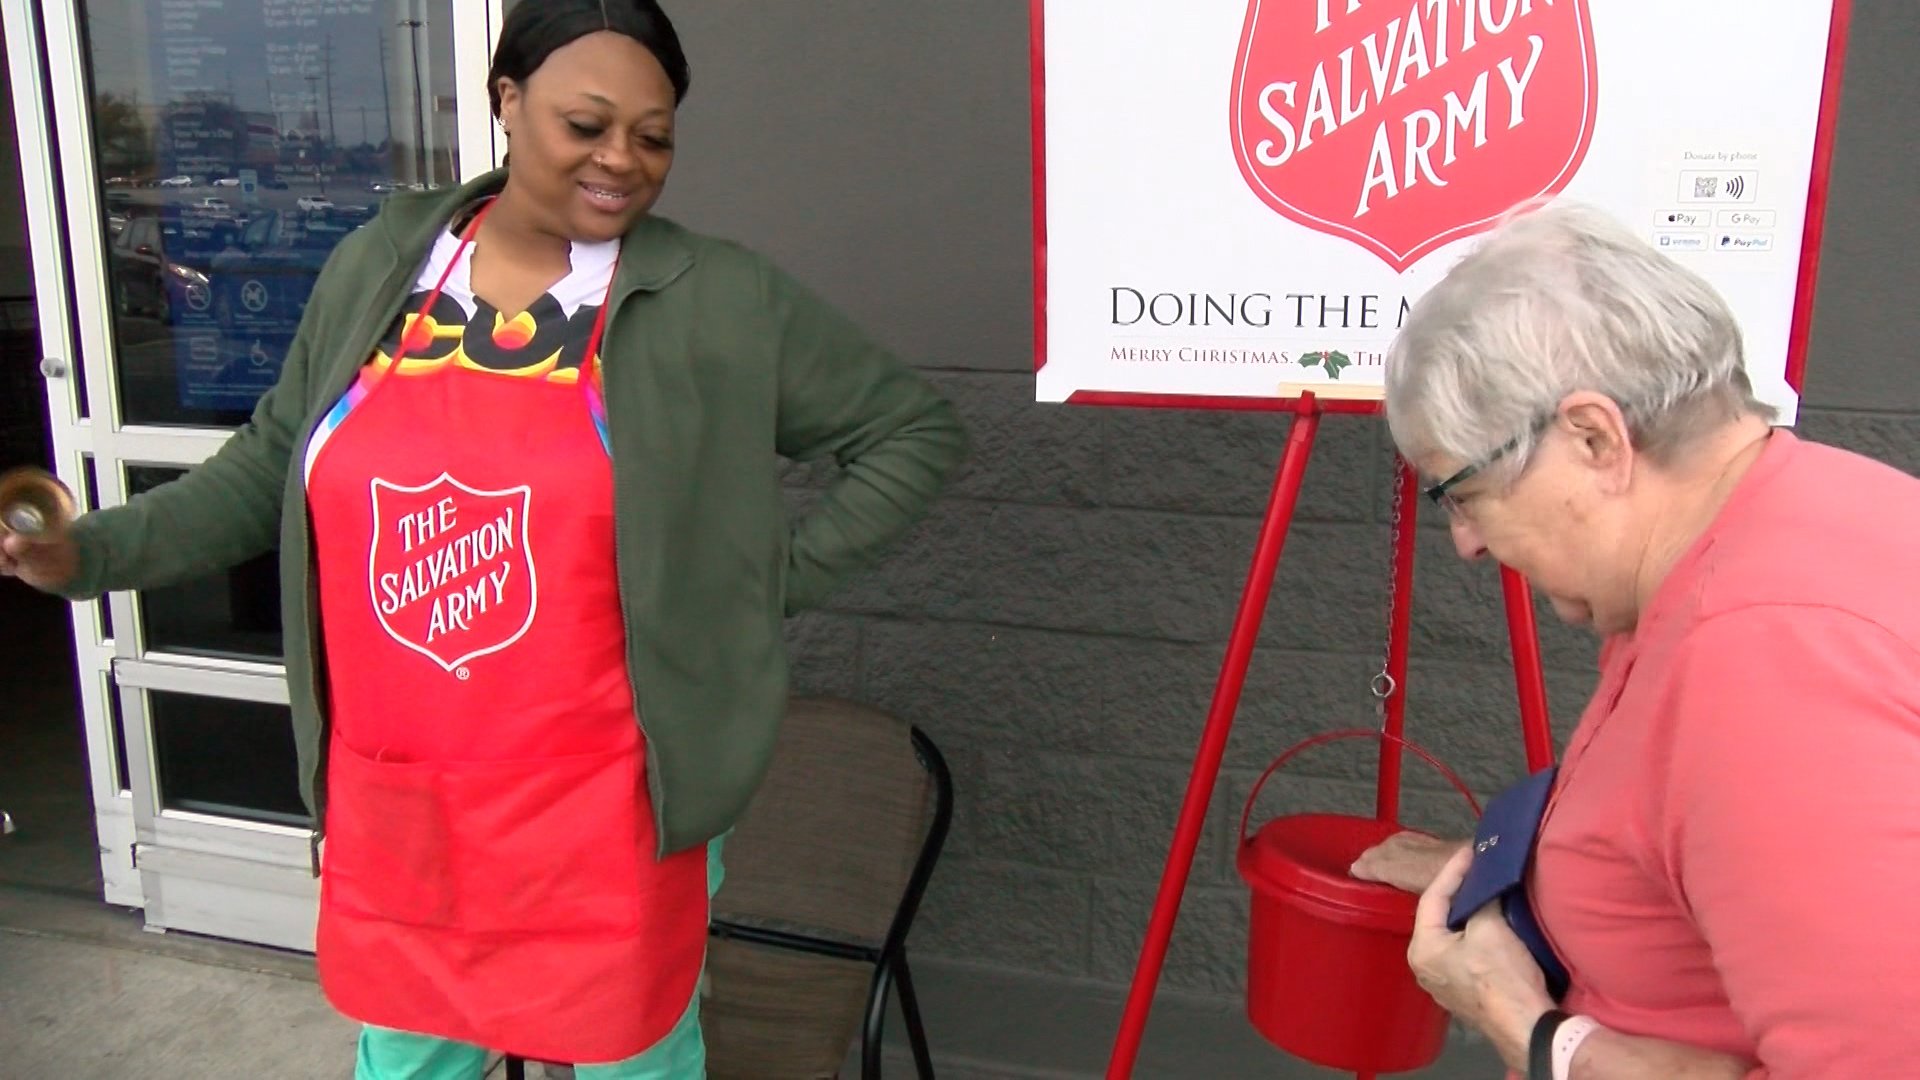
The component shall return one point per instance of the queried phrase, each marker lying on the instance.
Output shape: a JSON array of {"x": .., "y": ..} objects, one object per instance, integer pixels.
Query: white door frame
[
  {"x": 219, "y": 876},
  {"x": 73, "y": 435}
]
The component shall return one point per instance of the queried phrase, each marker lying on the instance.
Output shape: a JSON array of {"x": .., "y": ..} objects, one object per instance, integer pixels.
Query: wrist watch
[
  {"x": 1540, "y": 1046},
  {"x": 1556, "y": 1038}
]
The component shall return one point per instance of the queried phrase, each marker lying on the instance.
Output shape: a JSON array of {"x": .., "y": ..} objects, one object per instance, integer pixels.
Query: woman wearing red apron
[
  {"x": 489, "y": 879},
  {"x": 489, "y": 875},
  {"x": 534, "y": 595}
]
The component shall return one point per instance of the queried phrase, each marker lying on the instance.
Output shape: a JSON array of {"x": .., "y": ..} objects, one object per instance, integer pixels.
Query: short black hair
[{"x": 535, "y": 29}]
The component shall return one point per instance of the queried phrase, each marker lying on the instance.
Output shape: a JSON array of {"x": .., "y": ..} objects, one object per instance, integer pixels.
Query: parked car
[{"x": 148, "y": 278}]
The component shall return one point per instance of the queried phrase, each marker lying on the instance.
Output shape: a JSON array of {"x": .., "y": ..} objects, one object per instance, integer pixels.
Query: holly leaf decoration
[
  {"x": 1311, "y": 359},
  {"x": 1335, "y": 362}
]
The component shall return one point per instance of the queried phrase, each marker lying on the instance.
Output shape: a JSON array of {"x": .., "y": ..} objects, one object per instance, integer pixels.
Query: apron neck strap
[{"x": 409, "y": 339}]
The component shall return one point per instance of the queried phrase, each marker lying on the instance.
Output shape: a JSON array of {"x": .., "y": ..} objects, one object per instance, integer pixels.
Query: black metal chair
[{"x": 824, "y": 876}]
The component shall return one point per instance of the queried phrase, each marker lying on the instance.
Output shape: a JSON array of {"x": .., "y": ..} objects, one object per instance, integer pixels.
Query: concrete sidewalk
[{"x": 86, "y": 993}]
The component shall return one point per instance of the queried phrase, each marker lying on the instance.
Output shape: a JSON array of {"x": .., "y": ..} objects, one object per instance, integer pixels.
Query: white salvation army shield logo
[{"x": 449, "y": 572}]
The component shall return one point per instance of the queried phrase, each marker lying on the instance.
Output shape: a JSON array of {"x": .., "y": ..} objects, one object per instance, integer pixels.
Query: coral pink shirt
[{"x": 1733, "y": 858}]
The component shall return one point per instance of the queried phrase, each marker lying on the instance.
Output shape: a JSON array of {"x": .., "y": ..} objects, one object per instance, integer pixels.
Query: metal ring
[{"x": 1383, "y": 686}]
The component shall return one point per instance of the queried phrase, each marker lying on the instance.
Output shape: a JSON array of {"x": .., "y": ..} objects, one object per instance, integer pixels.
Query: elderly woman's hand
[
  {"x": 1484, "y": 975},
  {"x": 1407, "y": 860}
]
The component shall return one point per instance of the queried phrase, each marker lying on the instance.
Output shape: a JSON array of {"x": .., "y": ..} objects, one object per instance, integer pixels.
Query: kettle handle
[{"x": 1336, "y": 736}]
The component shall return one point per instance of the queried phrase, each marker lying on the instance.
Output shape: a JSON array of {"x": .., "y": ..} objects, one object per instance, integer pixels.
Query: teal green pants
[{"x": 398, "y": 1055}]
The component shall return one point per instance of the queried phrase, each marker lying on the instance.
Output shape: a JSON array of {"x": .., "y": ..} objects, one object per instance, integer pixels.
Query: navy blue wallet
[{"x": 1502, "y": 854}]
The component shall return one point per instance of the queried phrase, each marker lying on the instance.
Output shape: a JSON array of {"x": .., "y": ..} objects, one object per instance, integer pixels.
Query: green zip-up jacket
[{"x": 715, "y": 365}]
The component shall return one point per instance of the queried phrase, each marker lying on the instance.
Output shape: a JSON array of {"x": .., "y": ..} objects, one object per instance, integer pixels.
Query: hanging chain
[{"x": 1383, "y": 684}]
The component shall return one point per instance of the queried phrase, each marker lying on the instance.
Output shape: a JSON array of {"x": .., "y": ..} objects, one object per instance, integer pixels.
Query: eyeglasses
[{"x": 1441, "y": 493}]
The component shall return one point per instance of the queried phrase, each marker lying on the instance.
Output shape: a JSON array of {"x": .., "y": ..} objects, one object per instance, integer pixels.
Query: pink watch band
[{"x": 1566, "y": 1043}]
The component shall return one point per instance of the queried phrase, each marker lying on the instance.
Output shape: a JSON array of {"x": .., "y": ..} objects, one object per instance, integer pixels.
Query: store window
[
  {"x": 233, "y": 614},
  {"x": 232, "y": 759},
  {"x": 237, "y": 142}
]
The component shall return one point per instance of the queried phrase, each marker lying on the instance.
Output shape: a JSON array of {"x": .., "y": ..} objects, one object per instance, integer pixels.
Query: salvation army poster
[{"x": 1241, "y": 198}]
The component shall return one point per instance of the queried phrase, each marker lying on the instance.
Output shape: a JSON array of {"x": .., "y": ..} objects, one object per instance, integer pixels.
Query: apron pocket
[
  {"x": 548, "y": 845},
  {"x": 388, "y": 842}
]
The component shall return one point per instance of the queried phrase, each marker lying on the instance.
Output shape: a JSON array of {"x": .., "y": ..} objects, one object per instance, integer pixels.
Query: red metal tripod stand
[{"x": 1529, "y": 680}]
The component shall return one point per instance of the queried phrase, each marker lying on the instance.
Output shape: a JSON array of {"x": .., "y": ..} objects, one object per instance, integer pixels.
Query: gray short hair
[{"x": 1560, "y": 299}]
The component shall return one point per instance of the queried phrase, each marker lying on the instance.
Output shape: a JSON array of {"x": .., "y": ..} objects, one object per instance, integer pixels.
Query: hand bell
[{"x": 34, "y": 503}]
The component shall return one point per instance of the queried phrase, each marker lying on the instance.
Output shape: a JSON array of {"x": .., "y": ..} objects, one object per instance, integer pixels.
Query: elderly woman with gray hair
[{"x": 1728, "y": 863}]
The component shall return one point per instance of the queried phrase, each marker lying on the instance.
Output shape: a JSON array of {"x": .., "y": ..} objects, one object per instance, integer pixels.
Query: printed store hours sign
[{"x": 1240, "y": 199}]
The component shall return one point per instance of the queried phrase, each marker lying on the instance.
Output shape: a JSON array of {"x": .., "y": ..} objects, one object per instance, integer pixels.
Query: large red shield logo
[
  {"x": 1403, "y": 125},
  {"x": 450, "y": 574}
]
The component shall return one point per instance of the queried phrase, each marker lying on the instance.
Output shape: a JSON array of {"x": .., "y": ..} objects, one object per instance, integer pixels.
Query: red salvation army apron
[{"x": 489, "y": 873}]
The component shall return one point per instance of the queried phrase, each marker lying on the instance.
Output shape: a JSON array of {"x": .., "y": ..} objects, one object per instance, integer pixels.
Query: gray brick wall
[{"x": 1058, "y": 622}]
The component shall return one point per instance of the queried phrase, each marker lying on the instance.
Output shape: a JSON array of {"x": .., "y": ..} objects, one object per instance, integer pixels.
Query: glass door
[{"x": 201, "y": 160}]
